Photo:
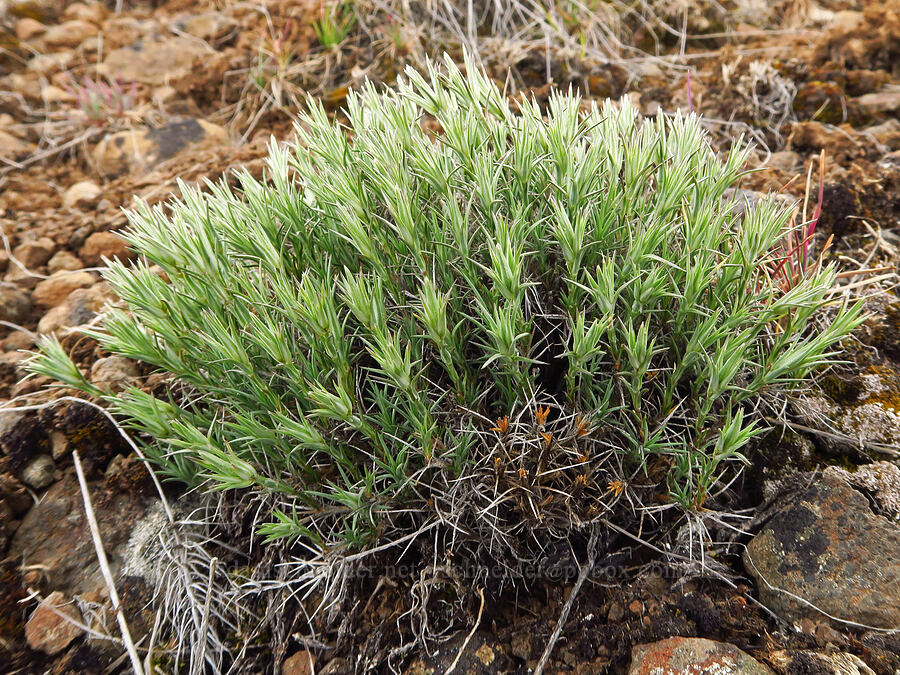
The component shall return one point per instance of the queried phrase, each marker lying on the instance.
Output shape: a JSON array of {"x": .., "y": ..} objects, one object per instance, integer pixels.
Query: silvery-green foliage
[{"x": 358, "y": 319}]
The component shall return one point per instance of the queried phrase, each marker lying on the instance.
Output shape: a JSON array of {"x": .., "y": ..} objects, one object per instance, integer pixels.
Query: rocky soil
[{"x": 98, "y": 107}]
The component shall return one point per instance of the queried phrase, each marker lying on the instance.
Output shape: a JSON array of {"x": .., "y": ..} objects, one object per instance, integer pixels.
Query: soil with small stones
[{"x": 795, "y": 78}]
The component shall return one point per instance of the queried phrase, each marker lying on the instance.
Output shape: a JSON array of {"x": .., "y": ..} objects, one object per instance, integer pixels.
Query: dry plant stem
[
  {"x": 469, "y": 636},
  {"x": 198, "y": 664},
  {"x": 104, "y": 568},
  {"x": 148, "y": 667},
  {"x": 564, "y": 614}
]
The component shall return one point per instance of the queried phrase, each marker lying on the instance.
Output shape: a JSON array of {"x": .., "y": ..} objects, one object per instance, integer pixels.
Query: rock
[
  {"x": 785, "y": 160},
  {"x": 884, "y": 101},
  {"x": 814, "y": 136},
  {"x": 101, "y": 245},
  {"x": 12, "y": 146},
  {"x": 128, "y": 474},
  {"x": 14, "y": 495},
  {"x": 880, "y": 479},
  {"x": 79, "y": 236},
  {"x": 802, "y": 661},
  {"x": 33, "y": 254},
  {"x": 28, "y": 28},
  {"x": 616, "y": 613},
  {"x": 94, "y": 12},
  {"x": 163, "y": 95},
  {"x": 204, "y": 26},
  {"x": 881, "y": 651},
  {"x": 9, "y": 420},
  {"x": 870, "y": 419},
  {"x": 690, "y": 656},
  {"x": 16, "y": 276},
  {"x": 69, "y": 34},
  {"x": 22, "y": 437},
  {"x": 483, "y": 655},
  {"x": 52, "y": 94},
  {"x": 54, "y": 536},
  {"x": 83, "y": 193},
  {"x": 17, "y": 340},
  {"x": 154, "y": 61},
  {"x": 301, "y": 663},
  {"x": 39, "y": 473},
  {"x": 828, "y": 548},
  {"x": 44, "y": 64},
  {"x": 112, "y": 372},
  {"x": 342, "y": 666},
  {"x": 887, "y": 133},
  {"x": 141, "y": 148},
  {"x": 80, "y": 307},
  {"x": 890, "y": 161},
  {"x": 30, "y": 386},
  {"x": 865, "y": 39},
  {"x": 63, "y": 260},
  {"x": 53, "y": 291},
  {"x": 15, "y": 303},
  {"x": 48, "y": 630},
  {"x": 59, "y": 445},
  {"x": 845, "y": 22},
  {"x": 12, "y": 358}
]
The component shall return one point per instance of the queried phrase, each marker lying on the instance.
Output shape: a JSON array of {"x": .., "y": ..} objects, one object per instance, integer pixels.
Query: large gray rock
[
  {"x": 141, "y": 148},
  {"x": 54, "y": 536},
  {"x": 825, "y": 549},
  {"x": 689, "y": 656}
]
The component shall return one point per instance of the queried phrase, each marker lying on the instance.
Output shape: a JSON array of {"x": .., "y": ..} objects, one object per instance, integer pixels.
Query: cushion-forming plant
[{"x": 560, "y": 309}]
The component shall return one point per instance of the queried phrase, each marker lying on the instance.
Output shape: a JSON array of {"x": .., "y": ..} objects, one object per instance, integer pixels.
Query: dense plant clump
[{"x": 560, "y": 310}]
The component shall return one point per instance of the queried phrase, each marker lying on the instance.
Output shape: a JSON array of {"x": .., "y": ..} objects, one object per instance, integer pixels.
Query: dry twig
[
  {"x": 104, "y": 568},
  {"x": 584, "y": 570}
]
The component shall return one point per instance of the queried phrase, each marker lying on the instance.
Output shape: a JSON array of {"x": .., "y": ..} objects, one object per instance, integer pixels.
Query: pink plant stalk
[
  {"x": 796, "y": 258},
  {"x": 101, "y": 100}
]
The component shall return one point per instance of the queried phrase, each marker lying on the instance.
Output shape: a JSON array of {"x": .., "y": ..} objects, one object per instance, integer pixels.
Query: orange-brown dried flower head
[
  {"x": 502, "y": 425},
  {"x": 617, "y": 487},
  {"x": 581, "y": 427}
]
